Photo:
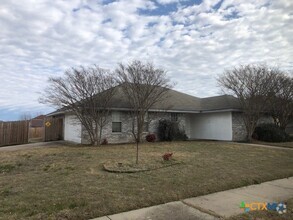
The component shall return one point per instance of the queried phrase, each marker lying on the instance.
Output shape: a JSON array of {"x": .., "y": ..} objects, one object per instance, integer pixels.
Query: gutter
[
  {"x": 221, "y": 110},
  {"x": 160, "y": 110}
]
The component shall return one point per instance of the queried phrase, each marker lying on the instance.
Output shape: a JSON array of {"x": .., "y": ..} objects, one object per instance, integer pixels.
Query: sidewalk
[
  {"x": 30, "y": 146},
  {"x": 213, "y": 206},
  {"x": 267, "y": 146}
]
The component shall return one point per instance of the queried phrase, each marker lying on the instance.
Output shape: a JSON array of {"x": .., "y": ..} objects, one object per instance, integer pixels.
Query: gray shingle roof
[
  {"x": 173, "y": 101},
  {"x": 181, "y": 102},
  {"x": 220, "y": 103}
]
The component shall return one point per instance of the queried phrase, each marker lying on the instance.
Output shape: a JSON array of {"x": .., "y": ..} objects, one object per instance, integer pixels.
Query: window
[
  {"x": 116, "y": 127},
  {"x": 116, "y": 122},
  {"x": 174, "y": 117}
]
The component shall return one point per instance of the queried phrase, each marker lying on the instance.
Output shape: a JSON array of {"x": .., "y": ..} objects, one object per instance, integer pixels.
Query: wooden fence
[
  {"x": 15, "y": 132},
  {"x": 53, "y": 129},
  {"x": 20, "y": 132},
  {"x": 36, "y": 134}
]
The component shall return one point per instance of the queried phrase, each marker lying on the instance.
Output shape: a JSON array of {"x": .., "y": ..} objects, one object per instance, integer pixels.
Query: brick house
[{"x": 212, "y": 118}]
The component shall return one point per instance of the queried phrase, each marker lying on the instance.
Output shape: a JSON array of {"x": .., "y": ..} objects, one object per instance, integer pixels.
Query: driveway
[
  {"x": 262, "y": 145},
  {"x": 31, "y": 146}
]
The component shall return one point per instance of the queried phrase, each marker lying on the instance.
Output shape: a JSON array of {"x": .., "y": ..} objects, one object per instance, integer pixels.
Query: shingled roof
[
  {"x": 178, "y": 101},
  {"x": 220, "y": 103},
  {"x": 173, "y": 101}
]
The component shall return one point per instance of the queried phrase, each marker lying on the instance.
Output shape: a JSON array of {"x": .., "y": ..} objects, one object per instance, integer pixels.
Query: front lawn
[
  {"x": 277, "y": 144},
  {"x": 69, "y": 182}
]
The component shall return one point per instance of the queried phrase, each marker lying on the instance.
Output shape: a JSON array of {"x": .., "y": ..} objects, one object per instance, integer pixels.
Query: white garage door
[{"x": 72, "y": 129}]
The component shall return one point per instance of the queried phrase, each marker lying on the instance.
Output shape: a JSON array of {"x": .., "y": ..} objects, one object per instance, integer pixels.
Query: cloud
[
  {"x": 193, "y": 43},
  {"x": 164, "y": 2}
]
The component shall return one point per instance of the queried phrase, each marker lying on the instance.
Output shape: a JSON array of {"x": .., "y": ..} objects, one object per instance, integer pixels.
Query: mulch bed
[{"x": 116, "y": 167}]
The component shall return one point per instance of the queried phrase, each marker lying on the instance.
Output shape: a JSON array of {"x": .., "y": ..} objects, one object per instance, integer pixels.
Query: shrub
[
  {"x": 169, "y": 131},
  {"x": 150, "y": 138},
  {"x": 270, "y": 133},
  {"x": 105, "y": 141},
  {"x": 167, "y": 156}
]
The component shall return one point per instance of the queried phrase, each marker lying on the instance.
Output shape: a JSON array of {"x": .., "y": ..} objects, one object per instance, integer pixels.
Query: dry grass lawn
[
  {"x": 68, "y": 182},
  {"x": 278, "y": 144}
]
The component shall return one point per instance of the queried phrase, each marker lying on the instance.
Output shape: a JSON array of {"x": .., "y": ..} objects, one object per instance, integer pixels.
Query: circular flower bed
[{"x": 127, "y": 167}]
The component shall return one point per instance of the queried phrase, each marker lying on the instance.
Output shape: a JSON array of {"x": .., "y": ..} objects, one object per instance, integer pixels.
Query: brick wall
[
  {"x": 238, "y": 126},
  {"x": 125, "y": 136}
]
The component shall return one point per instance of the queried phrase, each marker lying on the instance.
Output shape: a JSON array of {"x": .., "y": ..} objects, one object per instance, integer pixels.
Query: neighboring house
[
  {"x": 213, "y": 118},
  {"x": 37, "y": 121},
  {"x": 36, "y": 129}
]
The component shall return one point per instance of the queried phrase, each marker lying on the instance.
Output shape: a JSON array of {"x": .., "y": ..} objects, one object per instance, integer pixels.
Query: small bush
[
  {"x": 170, "y": 131},
  {"x": 270, "y": 133},
  {"x": 105, "y": 141},
  {"x": 150, "y": 138},
  {"x": 167, "y": 156}
]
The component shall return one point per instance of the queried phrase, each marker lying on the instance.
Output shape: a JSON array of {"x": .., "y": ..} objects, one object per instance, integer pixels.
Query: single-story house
[
  {"x": 212, "y": 118},
  {"x": 37, "y": 121}
]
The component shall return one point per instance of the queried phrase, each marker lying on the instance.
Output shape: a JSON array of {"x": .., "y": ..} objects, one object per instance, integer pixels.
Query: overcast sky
[{"x": 193, "y": 40}]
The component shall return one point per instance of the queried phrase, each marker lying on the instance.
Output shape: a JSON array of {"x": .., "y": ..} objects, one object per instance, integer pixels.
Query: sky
[{"x": 194, "y": 41}]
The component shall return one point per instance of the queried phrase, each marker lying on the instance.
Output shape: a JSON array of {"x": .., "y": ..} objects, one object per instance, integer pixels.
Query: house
[
  {"x": 212, "y": 118},
  {"x": 37, "y": 122},
  {"x": 36, "y": 129}
]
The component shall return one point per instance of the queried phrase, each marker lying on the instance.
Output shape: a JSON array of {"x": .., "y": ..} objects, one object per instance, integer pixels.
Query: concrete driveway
[{"x": 31, "y": 146}]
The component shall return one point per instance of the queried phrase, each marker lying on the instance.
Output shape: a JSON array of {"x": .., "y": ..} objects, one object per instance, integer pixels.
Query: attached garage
[
  {"x": 212, "y": 126},
  {"x": 72, "y": 128}
]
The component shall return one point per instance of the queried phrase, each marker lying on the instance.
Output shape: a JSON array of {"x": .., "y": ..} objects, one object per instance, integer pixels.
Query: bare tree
[
  {"x": 29, "y": 116},
  {"x": 144, "y": 85},
  {"x": 86, "y": 92},
  {"x": 253, "y": 85},
  {"x": 281, "y": 103},
  {"x": 25, "y": 116}
]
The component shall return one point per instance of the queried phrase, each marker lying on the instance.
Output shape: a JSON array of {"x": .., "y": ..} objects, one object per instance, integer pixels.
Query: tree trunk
[
  {"x": 136, "y": 151},
  {"x": 249, "y": 130},
  {"x": 96, "y": 136},
  {"x": 92, "y": 139},
  {"x": 249, "y": 137},
  {"x": 100, "y": 136}
]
